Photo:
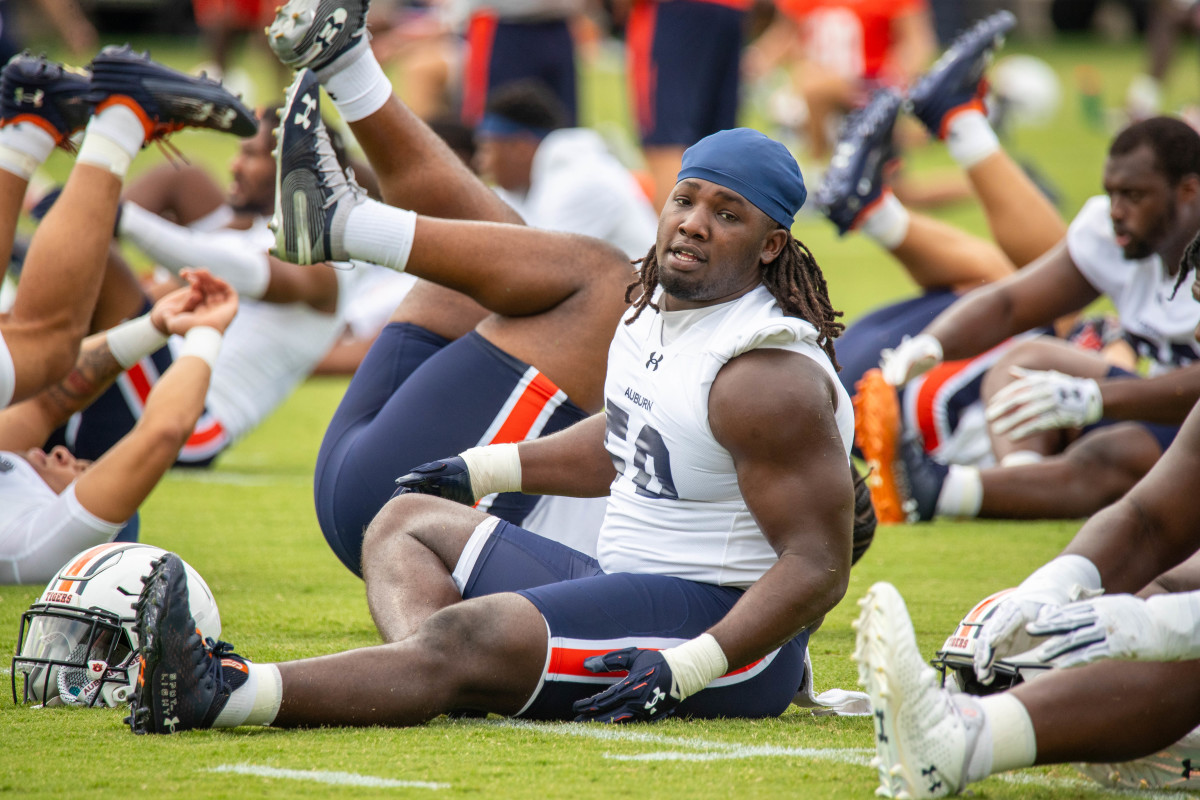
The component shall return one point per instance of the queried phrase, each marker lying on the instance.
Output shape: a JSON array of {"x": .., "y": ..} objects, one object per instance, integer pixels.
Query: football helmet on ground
[
  {"x": 956, "y": 659},
  {"x": 77, "y": 644}
]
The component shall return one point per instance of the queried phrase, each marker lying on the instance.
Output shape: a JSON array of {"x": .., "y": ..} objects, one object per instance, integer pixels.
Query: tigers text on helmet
[
  {"x": 956, "y": 659},
  {"x": 77, "y": 645}
]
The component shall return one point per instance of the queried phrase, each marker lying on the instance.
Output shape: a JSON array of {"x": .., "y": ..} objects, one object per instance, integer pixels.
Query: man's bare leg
[
  {"x": 183, "y": 194},
  {"x": 1093, "y": 472},
  {"x": 1043, "y": 353},
  {"x": 409, "y": 553},
  {"x": 1112, "y": 710},
  {"x": 485, "y": 654},
  {"x": 61, "y": 279}
]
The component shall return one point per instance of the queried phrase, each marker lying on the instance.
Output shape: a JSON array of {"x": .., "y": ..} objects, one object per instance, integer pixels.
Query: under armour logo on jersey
[
  {"x": 5, "y": 466},
  {"x": 879, "y": 716},
  {"x": 659, "y": 694},
  {"x": 310, "y": 105},
  {"x": 652, "y": 362}
]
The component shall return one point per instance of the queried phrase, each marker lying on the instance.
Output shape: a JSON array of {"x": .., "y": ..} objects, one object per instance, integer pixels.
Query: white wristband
[
  {"x": 133, "y": 340},
  {"x": 695, "y": 664},
  {"x": 202, "y": 342},
  {"x": 494, "y": 468}
]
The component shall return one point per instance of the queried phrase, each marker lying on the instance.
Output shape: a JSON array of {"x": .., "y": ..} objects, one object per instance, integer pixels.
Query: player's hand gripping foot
[
  {"x": 955, "y": 82},
  {"x": 315, "y": 33},
  {"x": 313, "y": 194},
  {"x": 164, "y": 99},
  {"x": 46, "y": 93},
  {"x": 922, "y": 737},
  {"x": 854, "y": 181},
  {"x": 180, "y": 685}
]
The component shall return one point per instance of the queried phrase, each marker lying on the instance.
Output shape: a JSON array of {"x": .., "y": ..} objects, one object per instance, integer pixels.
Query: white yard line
[
  {"x": 334, "y": 778},
  {"x": 702, "y": 750}
]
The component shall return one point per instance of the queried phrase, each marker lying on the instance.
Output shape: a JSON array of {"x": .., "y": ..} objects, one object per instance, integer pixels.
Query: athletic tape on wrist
[
  {"x": 202, "y": 342},
  {"x": 100, "y": 151},
  {"x": 494, "y": 468},
  {"x": 696, "y": 663},
  {"x": 133, "y": 340}
]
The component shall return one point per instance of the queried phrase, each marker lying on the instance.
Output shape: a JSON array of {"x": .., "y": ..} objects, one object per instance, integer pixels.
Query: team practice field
[{"x": 248, "y": 526}]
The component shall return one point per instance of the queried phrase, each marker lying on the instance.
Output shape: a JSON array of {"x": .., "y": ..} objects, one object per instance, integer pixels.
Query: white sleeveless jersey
[
  {"x": 675, "y": 507},
  {"x": 40, "y": 530},
  {"x": 1161, "y": 329}
]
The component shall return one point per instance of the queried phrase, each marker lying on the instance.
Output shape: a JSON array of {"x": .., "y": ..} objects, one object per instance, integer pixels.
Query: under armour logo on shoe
[
  {"x": 171, "y": 722},
  {"x": 929, "y": 773},
  {"x": 652, "y": 363},
  {"x": 310, "y": 105},
  {"x": 1187, "y": 768},
  {"x": 33, "y": 98},
  {"x": 659, "y": 694},
  {"x": 334, "y": 25}
]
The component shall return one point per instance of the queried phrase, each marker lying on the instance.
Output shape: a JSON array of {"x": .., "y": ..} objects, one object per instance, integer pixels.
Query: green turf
[{"x": 249, "y": 527}]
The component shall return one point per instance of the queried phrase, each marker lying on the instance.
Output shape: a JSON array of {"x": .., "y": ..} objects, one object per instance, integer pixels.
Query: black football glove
[
  {"x": 447, "y": 478},
  {"x": 646, "y": 695}
]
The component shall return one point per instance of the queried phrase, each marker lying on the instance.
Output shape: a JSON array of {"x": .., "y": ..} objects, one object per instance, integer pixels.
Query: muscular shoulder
[{"x": 771, "y": 396}]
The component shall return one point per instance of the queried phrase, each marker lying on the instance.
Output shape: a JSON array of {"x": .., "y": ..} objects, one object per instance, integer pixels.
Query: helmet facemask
[{"x": 77, "y": 657}]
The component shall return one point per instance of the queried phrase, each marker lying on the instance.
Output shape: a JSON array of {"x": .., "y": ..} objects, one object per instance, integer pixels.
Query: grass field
[{"x": 248, "y": 526}]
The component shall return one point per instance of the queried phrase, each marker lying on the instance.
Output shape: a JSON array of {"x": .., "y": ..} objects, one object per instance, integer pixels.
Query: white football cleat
[
  {"x": 315, "y": 33},
  {"x": 922, "y": 737}
]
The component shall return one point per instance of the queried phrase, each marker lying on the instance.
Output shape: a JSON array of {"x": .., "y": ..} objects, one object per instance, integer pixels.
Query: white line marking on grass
[
  {"x": 1025, "y": 779},
  {"x": 707, "y": 750},
  {"x": 335, "y": 778}
]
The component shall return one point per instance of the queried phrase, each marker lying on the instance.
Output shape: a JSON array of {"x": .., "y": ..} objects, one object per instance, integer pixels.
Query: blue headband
[
  {"x": 758, "y": 168},
  {"x": 503, "y": 127}
]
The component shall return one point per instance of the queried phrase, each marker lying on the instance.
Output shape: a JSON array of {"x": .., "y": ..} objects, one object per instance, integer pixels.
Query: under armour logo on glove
[
  {"x": 646, "y": 694},
  {"x": 652, "y": 363}
]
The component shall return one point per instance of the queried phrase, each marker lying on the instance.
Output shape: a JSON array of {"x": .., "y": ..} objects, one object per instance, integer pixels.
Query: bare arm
[
  {"x": 30, "y": 423},
  {"x": 1037, "y": 295},
  {"x": 1166, "y": 398},
  {"x": 774, "y": 411},
  {"x": 572, "y": 462},
  {"x": 122, "y": 478},
  {"x": 1154, "y": 520}
]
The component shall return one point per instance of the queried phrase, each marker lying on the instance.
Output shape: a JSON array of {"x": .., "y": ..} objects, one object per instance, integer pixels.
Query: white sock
[
  {"x": 255, "y": 702},
  {"x": 23, "y": 148},
  {"x": 356, "y": 83},
  {"x": 887, "y": 222},
  {"x": 113, "y": 137},
  {"x": 1021, "y": 457},
  {"x": 380, "y": 234},
  {"x": 962, "y": 493},
  {"x": 970, "y": 138},
  {"x": 1012, "y": 743}
]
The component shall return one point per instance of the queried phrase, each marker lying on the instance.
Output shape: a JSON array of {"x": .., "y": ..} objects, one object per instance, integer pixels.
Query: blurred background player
[
  {"x": 559, "y": 178},
  {"x": 684, "y": 71}
]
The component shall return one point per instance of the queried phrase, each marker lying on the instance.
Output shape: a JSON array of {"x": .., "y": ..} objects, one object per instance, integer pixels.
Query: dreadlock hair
[
  {"x": 794, "y": 279},
  {"x": 1189, "y": 262}
]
